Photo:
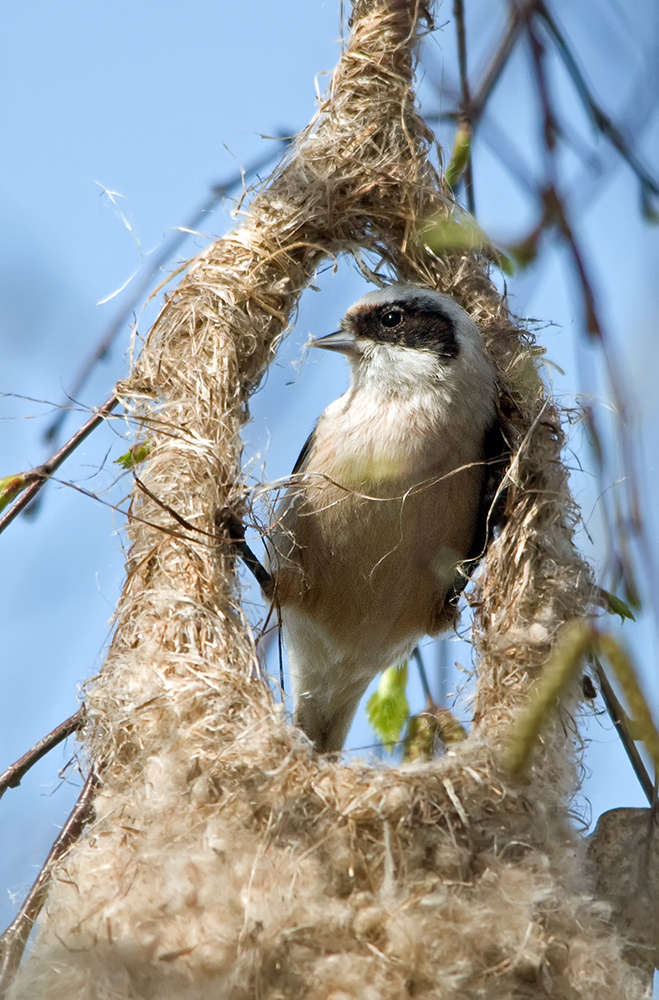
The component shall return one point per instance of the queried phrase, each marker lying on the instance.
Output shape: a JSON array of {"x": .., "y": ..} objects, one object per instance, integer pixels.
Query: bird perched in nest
[{"x": 388, "y": 499}]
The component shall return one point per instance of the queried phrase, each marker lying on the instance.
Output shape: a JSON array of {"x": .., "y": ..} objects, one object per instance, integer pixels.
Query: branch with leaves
[{"x": 17, "y": 491}]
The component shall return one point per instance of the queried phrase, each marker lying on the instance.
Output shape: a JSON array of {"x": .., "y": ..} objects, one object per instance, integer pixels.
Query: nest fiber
[{"x": 226, "y": 860}]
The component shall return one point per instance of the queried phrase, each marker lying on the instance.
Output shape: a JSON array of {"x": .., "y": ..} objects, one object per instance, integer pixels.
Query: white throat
[{"x": 386, "y": 371}]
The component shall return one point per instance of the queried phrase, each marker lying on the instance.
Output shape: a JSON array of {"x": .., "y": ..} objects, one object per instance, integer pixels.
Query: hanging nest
[{"x": 225, "y": 858}]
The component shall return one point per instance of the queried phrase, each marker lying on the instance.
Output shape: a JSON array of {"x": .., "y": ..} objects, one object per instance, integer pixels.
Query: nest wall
[{"x": 225, "y": 859}]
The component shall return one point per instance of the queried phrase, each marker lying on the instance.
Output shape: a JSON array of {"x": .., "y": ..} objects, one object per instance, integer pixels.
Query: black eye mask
[{"x": 408, "y": 325}]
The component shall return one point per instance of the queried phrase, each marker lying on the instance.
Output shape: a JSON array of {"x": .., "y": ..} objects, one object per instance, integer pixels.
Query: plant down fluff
[{"x": 225, "y": 860}]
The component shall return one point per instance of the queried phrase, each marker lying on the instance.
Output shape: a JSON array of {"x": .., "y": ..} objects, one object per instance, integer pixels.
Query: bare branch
[
  {"x": 603, "y": 122},
  {"x": 519, "y": 15},
  {"x": 14, "y": 939},
  {"x": 14, "y": 774},
  {"x": 465, "y": 98},
  {"x": 620, "y": 721},
  {"x": 423, "y": 677}
]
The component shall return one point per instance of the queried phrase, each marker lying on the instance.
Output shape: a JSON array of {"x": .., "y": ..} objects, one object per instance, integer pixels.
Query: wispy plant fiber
[{"x": 225, "y": 859}]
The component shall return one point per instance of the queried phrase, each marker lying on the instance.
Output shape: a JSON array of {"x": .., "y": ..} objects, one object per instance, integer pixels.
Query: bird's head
[{"x": 405, "y": 336}]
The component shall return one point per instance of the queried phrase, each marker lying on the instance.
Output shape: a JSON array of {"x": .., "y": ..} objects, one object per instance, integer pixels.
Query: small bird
[{"x": 387, "y": 500}]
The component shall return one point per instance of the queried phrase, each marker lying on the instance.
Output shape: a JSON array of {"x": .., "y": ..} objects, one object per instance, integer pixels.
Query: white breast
[{"x": 403, "y": 415}]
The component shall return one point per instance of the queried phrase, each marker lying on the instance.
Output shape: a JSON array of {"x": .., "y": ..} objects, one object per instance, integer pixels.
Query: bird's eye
[{"x": 392, "y": 318}]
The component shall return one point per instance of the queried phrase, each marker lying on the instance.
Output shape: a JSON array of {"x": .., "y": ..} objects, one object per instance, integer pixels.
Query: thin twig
[
  {"x": 634, "y": 113},
  {"x": 38, "y": 476},
  {"x": 465, "y": 99},
  {"x": 422, "y": 675},
  {"x": 12, "y": 777},
  {"x": 133, "y": 518},
  {"x": 620, "y": 721},
  {"x": 280, "y": 651},
  {"x": 169, "y": 510},
  {"x": 555, "y": 214},
  {"x": 15, "y": 938},
  {"x": 255, "y": 567},
  {"x": 519, "y": 15},
  {"x": 100, "y": 352},
  {"x": 207, "y": 538},
  {"x": 602, "y": 121},
  {"x": 229, "y": 527}
]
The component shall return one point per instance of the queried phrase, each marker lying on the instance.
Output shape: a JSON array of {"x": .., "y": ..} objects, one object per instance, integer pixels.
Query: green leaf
[
  {"x": 642, "y": 724},
  {"x": 506, "y": 263},
  {"x": 616, "y": 606},
  {"x": 459, "y": 155},
  {"x": 459, "y": 232},
  {"x": 387, "y": 709},
  {"x": 455, "y": 233},
  {"x": 576, "y": 640},
  {"x": 10, "y": 487},
  {"x": 134, "y": 456}
]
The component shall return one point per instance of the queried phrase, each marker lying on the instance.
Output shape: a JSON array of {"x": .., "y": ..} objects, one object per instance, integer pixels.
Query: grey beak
[{"x": 343, "y": 341}]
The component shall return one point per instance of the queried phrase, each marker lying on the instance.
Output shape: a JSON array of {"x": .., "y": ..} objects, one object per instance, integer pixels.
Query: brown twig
[
  {"x": 423, "y": 677},
  {"x": 519, "y": 15},
  {"x": 465, "y": 99},
  {"x": 603, "y": 122},
  {"x": 166, "y": 507},
  {"x": 14, "y": 774},
  {"x": 15, "y": 938},
  {"x": 500, "y": 144},
  {"x": 134, "y": 519},
  {"x": 620, "y": 721},
  {"x": 38, "y": 476},
  {"x": 555, "y": 214},
  {"x": 225, "y": 521},
  {"x": 496, "y": 65}
]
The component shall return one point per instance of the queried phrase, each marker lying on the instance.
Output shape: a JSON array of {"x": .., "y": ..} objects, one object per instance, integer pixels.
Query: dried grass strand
[{"x": 226, "y": 860}]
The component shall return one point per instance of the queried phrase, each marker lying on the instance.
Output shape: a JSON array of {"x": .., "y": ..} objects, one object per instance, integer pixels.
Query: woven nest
[{"x": 225, "y": 858}]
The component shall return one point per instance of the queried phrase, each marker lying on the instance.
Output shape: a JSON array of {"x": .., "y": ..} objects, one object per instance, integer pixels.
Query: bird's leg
[{"x": 230, "y": 528}]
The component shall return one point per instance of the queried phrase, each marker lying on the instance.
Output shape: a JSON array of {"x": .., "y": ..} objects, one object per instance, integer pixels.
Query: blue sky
[{"x": 155, "y": 103}]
